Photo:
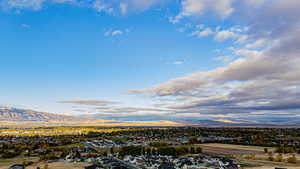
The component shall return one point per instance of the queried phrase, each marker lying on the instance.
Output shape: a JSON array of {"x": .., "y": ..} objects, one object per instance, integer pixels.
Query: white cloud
[
  {"x": 123, "y": 8},
  {"x": 242, "y": 39},
  {"x": 223, "y": 8},
  {"x": 224, "y": 59},
  {"x": 200, "y": 26},
  {"x": 23, "y": 4},
  {"x": 26, "y": 26},
  {"x": 224, "y": 35},
  {"x": 254, "y": 3},
  {"x": 30, "y": 4},
  {"x": 258, "y": 43},
  {"x": 100, "y": 6},
  {"x": 247, "y": 52},
  {"x": 194, "y": 8},
  {"x": 64, "y": 1},
  {"x": 143, "y": 4},
  {"x": 262, "y": 83},
  {"x": 203, "y": 33},
  {"x": 115, "y": 32},
  {"x": 178, "y": 62}
]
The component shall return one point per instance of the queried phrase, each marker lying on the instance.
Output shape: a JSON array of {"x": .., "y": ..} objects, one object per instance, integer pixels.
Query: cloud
[
  {"x": 110, "y": 7},
  {"x": 101, "y": 6},
  {"x": 64, "y": 1},
  {"x": 26, "y": 26},
  {"x": 224, "y": 35},
  {"x": 225, "y": 59},
  {"x": 143, "y": 4},
  {"x": 263, "y": 82},
  {"x": 23, "y": 4},
  {"x": 261, "y": 75},
  {"x": 196, "y": 8},
  {"x": 203, "y": 33},
  {"x": 90, "y": 102},
  {"x": 123, "y": 8},
  {"x": 31, "y": 4},
  {"x": 258, "y": 43},
  {"x": 115, "y": 32},
  {"x": 178, "y": 62}
]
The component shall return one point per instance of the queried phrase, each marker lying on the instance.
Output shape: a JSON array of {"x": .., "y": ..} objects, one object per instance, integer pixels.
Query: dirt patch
[
  {"x": 224, "y": 149},
  {"x": 59, "y": 165}
]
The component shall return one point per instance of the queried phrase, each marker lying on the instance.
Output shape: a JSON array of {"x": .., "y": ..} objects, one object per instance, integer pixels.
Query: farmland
[{"x": 228, "y": 149}]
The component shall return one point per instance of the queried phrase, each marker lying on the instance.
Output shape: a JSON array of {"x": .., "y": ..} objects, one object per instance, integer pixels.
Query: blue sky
[{"x": 182, "y": 59}]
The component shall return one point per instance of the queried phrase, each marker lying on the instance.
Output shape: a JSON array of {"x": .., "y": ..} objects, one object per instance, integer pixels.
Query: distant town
[{"x": 150, "y": 148}]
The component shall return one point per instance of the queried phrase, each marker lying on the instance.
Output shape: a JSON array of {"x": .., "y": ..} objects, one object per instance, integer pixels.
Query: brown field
[
  {"x": 59, "y": 165},
  {"x": 6, "y": 163},
  {"x": 270, "y": 165},
  {"x": 228, "y": 149}
]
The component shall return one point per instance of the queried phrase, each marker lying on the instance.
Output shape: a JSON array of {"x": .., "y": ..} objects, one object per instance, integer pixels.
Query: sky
[{"x": 232, "y": 60}]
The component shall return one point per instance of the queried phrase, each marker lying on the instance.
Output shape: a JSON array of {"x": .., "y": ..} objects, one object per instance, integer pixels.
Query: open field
[
  {"x": 55, "y": 165},
  {"x": 228, "y": 149},
  {"x": 59, "y": 165},
  {"x": 257, "y": 164}
]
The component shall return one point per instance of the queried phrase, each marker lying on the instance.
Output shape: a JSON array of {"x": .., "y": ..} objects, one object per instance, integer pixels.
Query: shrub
[
  {"x": 279, "y": 158},
  {"x": 292, "y": 159}
]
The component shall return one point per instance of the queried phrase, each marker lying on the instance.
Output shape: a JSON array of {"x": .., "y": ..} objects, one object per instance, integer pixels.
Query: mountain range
[{"x": 15, "y": 114}]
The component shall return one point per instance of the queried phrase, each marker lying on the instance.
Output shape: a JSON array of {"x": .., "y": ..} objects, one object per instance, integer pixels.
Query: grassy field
[{"x": 228, "y": 149}]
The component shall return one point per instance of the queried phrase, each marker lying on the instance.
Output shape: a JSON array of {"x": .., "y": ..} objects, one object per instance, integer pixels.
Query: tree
[
  {"x": 279, "y": 158},
  {"x": 192, "y": 150},
  {"x": 158, "y": 144},
  {"x": 271, "y": 158},
  {"x": 198, "y": 150},
  {"x": 266, "y": 150}
]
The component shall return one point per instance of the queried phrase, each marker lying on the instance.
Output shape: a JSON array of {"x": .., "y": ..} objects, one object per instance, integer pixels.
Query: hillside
[{"x": 15, "y": 114}]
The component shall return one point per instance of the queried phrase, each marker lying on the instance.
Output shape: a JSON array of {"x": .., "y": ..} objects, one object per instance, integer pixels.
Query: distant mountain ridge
[
  {"x": 15, "y": 114},
  {"x": 10, "y": 114}
]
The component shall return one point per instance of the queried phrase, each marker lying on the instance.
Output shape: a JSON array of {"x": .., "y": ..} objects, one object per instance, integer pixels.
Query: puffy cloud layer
[
  {"x": 260, "y": 83},
  {"x": 90, "y": 102},
  {"x": 196, "y": 8}
]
